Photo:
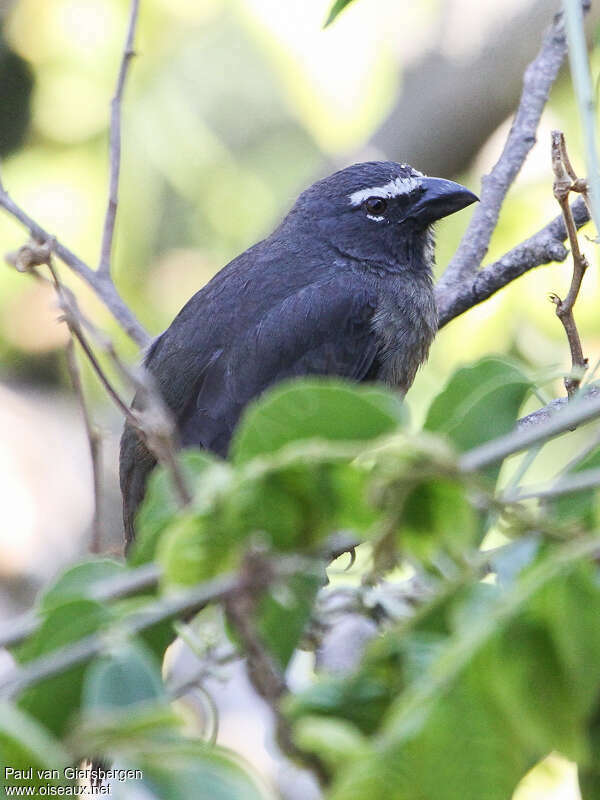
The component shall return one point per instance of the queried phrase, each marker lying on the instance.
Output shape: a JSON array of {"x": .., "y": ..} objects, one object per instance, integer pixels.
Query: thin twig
[
  {"x": 133, "y": 581},
  {"x": 537, "y": 82},
  {"x": 152, "y": 420},
  {"x": 174, "y": 606},
  {"x": 586, "y": 479},
  {"x": 554, "y": 406},
  {"x": 115, "y": 145},
  {"x": 564, "y": 179},
  {"x": 102, "y": 286},
  {"x": 95, "y": 445}
]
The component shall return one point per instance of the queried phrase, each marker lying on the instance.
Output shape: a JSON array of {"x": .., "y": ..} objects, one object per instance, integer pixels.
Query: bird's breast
[{"x": 405, "y": 323}]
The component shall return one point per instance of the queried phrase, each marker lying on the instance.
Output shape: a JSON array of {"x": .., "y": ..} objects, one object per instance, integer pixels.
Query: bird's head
[{"x": 380, "y": 211}]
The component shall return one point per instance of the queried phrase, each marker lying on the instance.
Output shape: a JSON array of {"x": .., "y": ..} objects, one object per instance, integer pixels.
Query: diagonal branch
[
  {"x": 532, "y": 430},
  {"x": 115, "y": 144},
  {"x": 103, "y": 287},
  {"x": 543, "y": 247},
  {"x": 152, "y": 419},
  {"x": 537, "y": 82}
]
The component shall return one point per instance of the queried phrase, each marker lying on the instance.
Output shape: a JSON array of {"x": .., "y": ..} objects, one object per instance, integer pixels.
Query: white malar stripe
[{"x": 395, "y": 188}]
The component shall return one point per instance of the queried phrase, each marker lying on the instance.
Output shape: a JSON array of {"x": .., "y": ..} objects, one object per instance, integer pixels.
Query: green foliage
[
  {"x": 26, "y": 745},
  {"x": 283, "y": 612},
  {"x": 479, "y": 403},
  {"x": 54, "y": 700},
  {"x": 579, "y": 507},
  {"x": 460, "y": 694},
  {"x": 436, "y": 514},
  {"x": 496, "y": 691},
  {"x": 79, "y": 582},
  {"x": 314, "y": 409},
  {"x": 126, "y": 677},
  {"x": 160, "y": 503}
]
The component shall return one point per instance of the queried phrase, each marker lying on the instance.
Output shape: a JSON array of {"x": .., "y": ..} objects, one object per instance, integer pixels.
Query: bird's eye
[{"x": 376, "y": 205}]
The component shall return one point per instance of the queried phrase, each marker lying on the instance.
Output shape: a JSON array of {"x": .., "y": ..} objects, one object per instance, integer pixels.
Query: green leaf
[
  {"x": 79, "y": 582},
  {"x": 336, "y": 9},
  {"x": 437, "y": 516},
  {"x": 193, "y": 550},
  {"x": 582, "y": 506},
  {"x": 198, "y": 771},
  {"x": 53, "y": 701},
  {"x": 507, "y": 687},
  {"x": 333, "y": 740},
  {"x": 128, "y": 676},
  {"x": 27, "y": 745},
  {"x": 479, "y": 403},
  {"x": 160, "y": 504},
  {"x": 156, "y": 637},
  {"x": 314, "y": 409},
  {"x": 297, "y": 504},
  {"x": 284, "y": 611}
]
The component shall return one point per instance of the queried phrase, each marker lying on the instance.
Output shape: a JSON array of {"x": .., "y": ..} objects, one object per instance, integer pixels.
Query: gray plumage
[{"x": 342, "y": 287}]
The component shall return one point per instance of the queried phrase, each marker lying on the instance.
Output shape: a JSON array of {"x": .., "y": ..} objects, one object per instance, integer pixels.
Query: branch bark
[
  {"x": 532, "y": 430},
  {"x": 537, "y": 82},
  {"x": 543, "y": 247}
]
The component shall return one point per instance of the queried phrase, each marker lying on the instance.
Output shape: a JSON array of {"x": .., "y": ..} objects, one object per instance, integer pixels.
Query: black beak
[{"x": 439, "y": 199}]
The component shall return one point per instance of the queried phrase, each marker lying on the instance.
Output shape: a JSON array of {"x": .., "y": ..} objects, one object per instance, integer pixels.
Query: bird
[{"x": 342, "y": 287}]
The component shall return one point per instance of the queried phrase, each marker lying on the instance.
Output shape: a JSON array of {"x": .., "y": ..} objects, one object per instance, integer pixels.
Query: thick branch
[
  {"x": 537, "y": 82},
  {"x": 115, "y": 145},
  {"x": 543, "y": 247}
]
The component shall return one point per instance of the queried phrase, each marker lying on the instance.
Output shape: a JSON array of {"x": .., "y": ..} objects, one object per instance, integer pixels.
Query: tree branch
[
  {"x": 537, "y": 82},
  {"x": 61, "y": 659},
  {"x": 532, "y": 430},
  {"x": 264, "y": 673},
  {"x": 115, "y": 145},
  {"x": 579, "y": 481},
  {"x": 151, "y": 418},
  {"x": 101, "y": 284},
  {"x": 94, "y": 442},
  {"x": 136, "y": 580},
  {"x": 543, "y": 247}
]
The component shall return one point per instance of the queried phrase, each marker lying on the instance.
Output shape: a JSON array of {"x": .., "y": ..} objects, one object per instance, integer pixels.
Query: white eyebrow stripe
[{"x": 395, "y": 188}]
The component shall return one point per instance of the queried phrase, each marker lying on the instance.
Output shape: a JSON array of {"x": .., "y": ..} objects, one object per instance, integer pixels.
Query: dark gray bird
[{"x": 342, "y": 287}]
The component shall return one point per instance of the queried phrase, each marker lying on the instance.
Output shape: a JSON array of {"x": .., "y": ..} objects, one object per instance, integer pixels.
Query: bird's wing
[{"x": 322, "y": 329}]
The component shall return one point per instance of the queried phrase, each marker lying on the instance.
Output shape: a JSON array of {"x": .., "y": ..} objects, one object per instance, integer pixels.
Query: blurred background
[{"x": 232, "y": 108}]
